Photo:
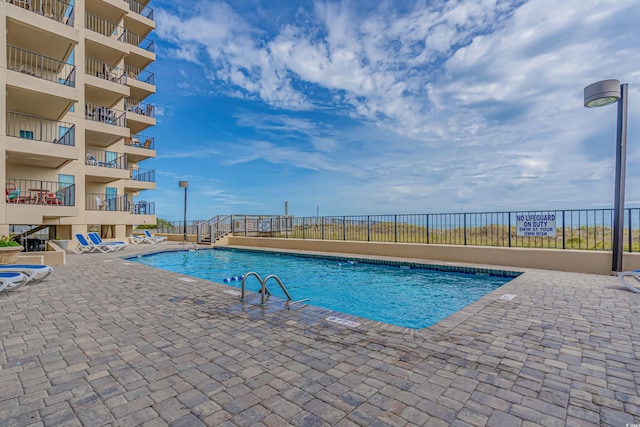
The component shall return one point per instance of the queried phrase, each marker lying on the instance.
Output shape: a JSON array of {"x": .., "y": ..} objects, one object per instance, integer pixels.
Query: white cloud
[{"x": 471, "y": 101}]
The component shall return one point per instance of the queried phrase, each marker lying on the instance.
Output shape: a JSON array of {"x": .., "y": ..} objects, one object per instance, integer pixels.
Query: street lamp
[
  {"x": 600, "y": 94},
  {"x": 184, "y": 184}
]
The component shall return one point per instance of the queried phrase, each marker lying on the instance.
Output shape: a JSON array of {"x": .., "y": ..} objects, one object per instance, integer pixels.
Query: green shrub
[{"x": 6, "y": 241}]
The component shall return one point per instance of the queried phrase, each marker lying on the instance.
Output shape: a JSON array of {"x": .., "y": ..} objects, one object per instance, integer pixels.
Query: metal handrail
[
  {"x": 38, "y": 192},
  {"x": 57, "y": 10},
  {"x": 140, "y": 74},
  {"x": 140, "y": 41},
  {"x": 143, "y": 208},
  {"x": 140, "y": 141},
  {"x": 36, "y": 128},
  {"x": 140, "y": 9},
  {"x": 139, "y": 107},
  {"x": 105, "y": 71},
  {"x": 100, "y": 158},
  {"x": 105, "y": 202},
  {"x": 144, "y": 175},
  {"x": 103, "y": 114},
  {"x": 37, "y": 65},
  {"x": 265, "y": 294},
  {"x": 107, "y": 28}
]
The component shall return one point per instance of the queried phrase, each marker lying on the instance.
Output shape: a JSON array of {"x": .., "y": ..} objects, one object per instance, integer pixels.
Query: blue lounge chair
[
  {"x": 97, "y": 240},
  {"x": 84, "y": 246},
  {"x": 634, "y": 275},
  {"x": 152, "y": 238},
  {"x": 33, "y": 271},
  {"x": 11, "y": 280}
]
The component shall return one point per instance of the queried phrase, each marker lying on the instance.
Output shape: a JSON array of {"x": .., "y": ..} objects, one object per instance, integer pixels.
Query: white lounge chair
[
  {"x": 150, "y": 236},
  {"x": 33, "y": 271},
  {"x": 97, "y": 240},
  {"x": 137, "y": 239},
  {"x": 84, "y": 246},
  {"x": 11, "y": 280},
  {"x": 626, "y": 277}
]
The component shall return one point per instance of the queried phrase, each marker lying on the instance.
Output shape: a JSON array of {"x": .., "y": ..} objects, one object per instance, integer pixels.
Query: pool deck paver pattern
[{"x": 106, "y": 341}]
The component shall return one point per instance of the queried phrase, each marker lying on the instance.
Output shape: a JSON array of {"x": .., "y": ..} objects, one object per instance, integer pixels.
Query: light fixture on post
[
  {"x": 185, "y": 185},
  {"x": 600, "y": 94}
]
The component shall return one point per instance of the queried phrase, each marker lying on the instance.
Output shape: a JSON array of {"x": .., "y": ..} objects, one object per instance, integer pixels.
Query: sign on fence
[
  {"x": 536, "y": 225},
  {"x": 264, "y": 226}
]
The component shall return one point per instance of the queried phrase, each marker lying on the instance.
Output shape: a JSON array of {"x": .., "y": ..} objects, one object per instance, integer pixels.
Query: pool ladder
[{"x": 264, "y": 291}]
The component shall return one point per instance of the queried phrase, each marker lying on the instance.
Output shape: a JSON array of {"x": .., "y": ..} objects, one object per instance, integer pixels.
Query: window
[
  {"x": 66, "y": 190},
  {"x": 26, "y": 134}
]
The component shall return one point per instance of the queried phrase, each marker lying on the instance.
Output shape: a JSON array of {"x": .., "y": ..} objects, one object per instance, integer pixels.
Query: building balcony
[
  {"x": 139, "y": 115},
  {"x": 141, "y": 82},
  {"x": 106, "y": 202},
  {"x": 37, "y": 192},
  {"x": 100, "y": 39},
  {"x": 104, "y": 83},
  {"x": 142, "y": 50},
  {"x": 57, "y": 10},
  {"x": 30, "y": 201},
  {"x": 105, "y": 166},
  {"x": 39, "y": 85},
  {"x": 104, "y": 125},
  {"x": 36, "y": 140},
  {"x": 140, "y": 18},
  {"x": 141, "y": 179},
  {"x": 143, "y": 208},
  {"x": 139, "y": 147}
]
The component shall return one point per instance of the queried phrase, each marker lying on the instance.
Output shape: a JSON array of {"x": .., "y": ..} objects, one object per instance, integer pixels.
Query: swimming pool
[{"x": 399, "y": 294}]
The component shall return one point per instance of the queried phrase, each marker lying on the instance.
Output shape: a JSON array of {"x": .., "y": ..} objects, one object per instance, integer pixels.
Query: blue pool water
[{"x": 399, "y": 295}]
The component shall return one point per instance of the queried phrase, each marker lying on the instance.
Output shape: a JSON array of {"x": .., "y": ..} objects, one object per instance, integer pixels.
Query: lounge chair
[
  {"x": 137, "y": 239},
  {"x": 633, "y": 275},
  {"x": 11, "y": 280},
  {"x": 84, "y": 246},
  {"x": 150, "y": 236},
  {"x": 33, "y": 271},
  {"x": 97, "y": 240}
]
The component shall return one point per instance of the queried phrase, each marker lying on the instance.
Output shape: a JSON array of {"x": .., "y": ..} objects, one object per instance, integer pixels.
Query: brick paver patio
[{"x": 105, "y": 341}]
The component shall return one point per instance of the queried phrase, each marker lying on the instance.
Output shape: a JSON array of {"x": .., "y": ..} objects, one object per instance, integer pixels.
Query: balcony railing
[
  {"x": 140, "y": 74},
  {"x": 144, "y": 175},
  {"x": 141, "y": 141},
  {"x": 106, "y": 202},
  {"x": 105, "y": 159},
  {"x": 99, "y": 113},
  {"x": 34, "y": 64},
  {"x": 141, "y": 42},
  {"x": 140, "y": 9},
  {"x": 39, "y": 129},
  {"x": 139, "y": 107},
  {"x": 105, "y": 71},
  {"x": 36, "y": 192},
  {"x": 57, "y": 10},
  {"x": 143, "y": 208},
  {"x": 104, "y": 27}
]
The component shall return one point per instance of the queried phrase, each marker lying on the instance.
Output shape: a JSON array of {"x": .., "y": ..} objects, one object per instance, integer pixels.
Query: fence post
[
  {"x": 368, "y": 228},
  {"x": 630, "y": 231},
  {"x": 464, "y": 220},
  {"x": 427, "y": 229},
  {"x": 344, "y": 228},
  {"x": 322, "y": 227},
  {"x": 509, "y": 228},
  {"x": 564, "y": 244},
  {"x": 245, "y": 226},
  {"x": 395, "y": 228},
  {"x": 304, "y": 226}
]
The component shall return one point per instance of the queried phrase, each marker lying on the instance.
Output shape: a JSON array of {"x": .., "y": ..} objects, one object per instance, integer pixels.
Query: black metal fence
[{"x": 586, "y": 229}]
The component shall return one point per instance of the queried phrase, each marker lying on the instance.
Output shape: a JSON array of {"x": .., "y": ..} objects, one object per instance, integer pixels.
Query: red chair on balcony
[{"x": 13, "y": 194}]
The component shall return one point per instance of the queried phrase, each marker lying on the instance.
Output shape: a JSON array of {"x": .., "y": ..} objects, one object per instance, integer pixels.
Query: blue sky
[{"x": 390, "y": 106}]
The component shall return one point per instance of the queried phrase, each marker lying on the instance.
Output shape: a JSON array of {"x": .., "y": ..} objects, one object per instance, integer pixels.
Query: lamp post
[
  {"x": 600, "y": 94},
  {"x": 185, "y": 185}
]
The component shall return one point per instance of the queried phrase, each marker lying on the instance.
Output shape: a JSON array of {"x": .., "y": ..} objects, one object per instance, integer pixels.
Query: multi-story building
[{"x": 74, "y": 81}]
